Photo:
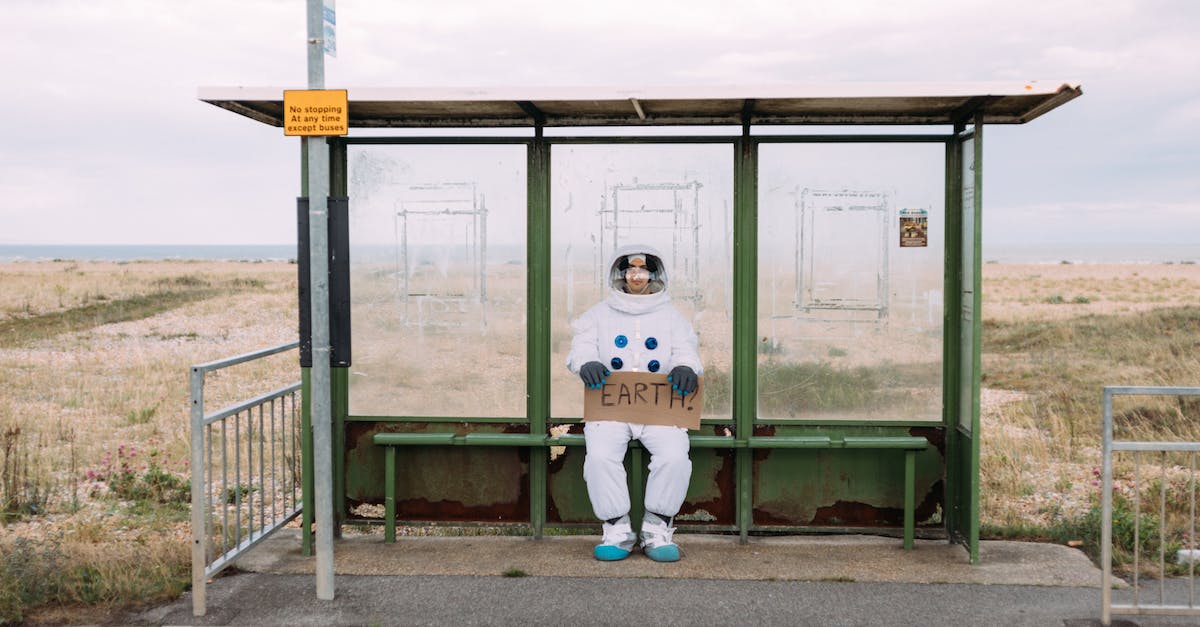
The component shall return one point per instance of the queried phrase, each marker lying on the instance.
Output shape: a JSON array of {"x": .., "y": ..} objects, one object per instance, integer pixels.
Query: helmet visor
[{"x": 637, "y": 273}]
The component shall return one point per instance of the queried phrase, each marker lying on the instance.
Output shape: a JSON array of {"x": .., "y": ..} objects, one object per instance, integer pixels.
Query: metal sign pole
[{"x": 318, "y": 237}]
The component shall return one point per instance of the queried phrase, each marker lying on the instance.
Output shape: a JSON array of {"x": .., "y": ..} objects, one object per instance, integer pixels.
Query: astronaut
[{"x": 636, "y": 329}]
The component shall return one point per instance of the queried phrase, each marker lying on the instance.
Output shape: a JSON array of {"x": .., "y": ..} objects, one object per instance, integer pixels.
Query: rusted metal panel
[
  {"x": 441, "y": 483},
  {"x": 711, "y": 497},
  {"x": 840, "y": 487},
  {"x": 566, "y": 494},
  {"x": 792, "y": 488}
]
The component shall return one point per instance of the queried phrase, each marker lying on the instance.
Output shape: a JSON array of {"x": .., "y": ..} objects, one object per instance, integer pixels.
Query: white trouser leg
[
  {"x": 670, "y": 467},
  {"x": 604, "y": 467}
]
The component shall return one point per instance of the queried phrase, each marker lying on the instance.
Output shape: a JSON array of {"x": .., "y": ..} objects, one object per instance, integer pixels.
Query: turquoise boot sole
[
  {"x": 610, "y": 553},
  {"x": 666, "y": 553}
]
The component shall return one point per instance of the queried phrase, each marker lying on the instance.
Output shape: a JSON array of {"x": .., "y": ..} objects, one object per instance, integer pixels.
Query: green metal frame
[
  {"x": 961, "y": 445},
  {"x": 745, "y": 318},
  {"x": 962, "y": 329}
]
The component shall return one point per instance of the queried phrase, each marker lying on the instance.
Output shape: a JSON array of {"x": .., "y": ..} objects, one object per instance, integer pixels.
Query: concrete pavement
[{"x": 798, "y": 580}]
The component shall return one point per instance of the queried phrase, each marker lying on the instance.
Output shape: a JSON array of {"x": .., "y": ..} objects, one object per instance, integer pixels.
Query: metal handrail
[
  {"x": 238, "y": 359},
  {"x": 250, "y": 404},
  {"x": 1107, "y": 608},
  {"x": 212, "y": 432}
]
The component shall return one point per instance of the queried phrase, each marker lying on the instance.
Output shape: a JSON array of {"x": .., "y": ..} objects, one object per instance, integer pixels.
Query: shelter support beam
[
  {"x": 966, "y": 112},
  {"x": 745, "y": 311},
  {"x": 637, "y": 107},
  {"x": 537, "y": 364},
  {"x": 532, "y": 110},
  {"x": 962, "y": 332},
  {"x": 952, "y": 279},
  {"x": 975, "y": 237}
]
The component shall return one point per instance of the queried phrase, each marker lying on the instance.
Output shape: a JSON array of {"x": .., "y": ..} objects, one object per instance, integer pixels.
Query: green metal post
[
  {"x": 339, "y": 382},
  {"x": 745, "y": 312},
  {"x": 951, "y": 334},
  {"x": 910, "y": 476},
  {"x": 537, "y": 342},
  {"x": 977, "y": 322},
  {"x": 306, "y": 459},
  {"x": 389, "y": 495},
  {"x": 339, "y": 379},
  {"x": 306, "y": 443},
  {"x": 964, "y": 264}
]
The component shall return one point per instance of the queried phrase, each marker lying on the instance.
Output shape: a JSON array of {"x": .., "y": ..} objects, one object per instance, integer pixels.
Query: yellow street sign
[{"x": 310, "y": 112}]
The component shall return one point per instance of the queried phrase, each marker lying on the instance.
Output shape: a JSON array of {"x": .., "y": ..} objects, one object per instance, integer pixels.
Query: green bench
[{"x": 910, "y": 445}]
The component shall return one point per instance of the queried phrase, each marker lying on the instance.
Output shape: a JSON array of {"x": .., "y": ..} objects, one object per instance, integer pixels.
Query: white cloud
[
  {"x": 105, "y": 121},
  {"x": 1080, "y": 61}
]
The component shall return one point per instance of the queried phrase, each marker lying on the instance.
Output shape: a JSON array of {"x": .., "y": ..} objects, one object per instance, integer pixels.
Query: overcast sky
[{"x": 105, "y": 141}]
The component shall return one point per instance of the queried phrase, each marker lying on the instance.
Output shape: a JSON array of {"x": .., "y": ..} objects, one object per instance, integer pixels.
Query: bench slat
[
  {"x": 791, "y": 441},
  {"x": 505, "y": 439},
  {"x": 400, "y": 439},
  {"x": 914, "y": 443},
  {"x": 697, "y": 441},
  {"x": 713, "y": 441}
]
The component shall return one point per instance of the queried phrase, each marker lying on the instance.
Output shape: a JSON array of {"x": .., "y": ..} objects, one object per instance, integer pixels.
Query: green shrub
[
  {"x": 238, "y": 494},
  {"x": 1085, "y": 528},
  {"x": 151, "y": 483},
  {"x": 25, "y": 484},
  {"x": 28, "y": 575},
  {"x": 140, "y": 416},
  {"x": 183, "y": 281}
]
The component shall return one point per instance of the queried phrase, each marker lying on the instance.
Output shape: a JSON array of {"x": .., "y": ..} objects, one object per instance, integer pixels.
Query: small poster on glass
[{"x": 914, "y": 228}]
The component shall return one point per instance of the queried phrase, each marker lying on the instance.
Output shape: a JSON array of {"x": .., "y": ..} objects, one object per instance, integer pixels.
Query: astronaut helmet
[{"x": 638, "y": 273}]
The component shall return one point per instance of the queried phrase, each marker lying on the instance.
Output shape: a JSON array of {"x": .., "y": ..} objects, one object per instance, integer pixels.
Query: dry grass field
[
  {"x": 94, "y": 359},
  {"x": 95, "y": 367},
  {"x": 1053, "y": 336}
]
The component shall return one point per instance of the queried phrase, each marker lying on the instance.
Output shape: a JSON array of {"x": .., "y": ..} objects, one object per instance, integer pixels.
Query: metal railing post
[
  {"x": 1106, "y": 515},
  {"x": 199, "y": 493},
  {"x": 204, "y": 475},
  {"x": 1110, "y": 446}
]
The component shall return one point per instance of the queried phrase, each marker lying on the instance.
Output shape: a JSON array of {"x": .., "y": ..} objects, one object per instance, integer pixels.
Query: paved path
[{"x": 839, "y": 580}]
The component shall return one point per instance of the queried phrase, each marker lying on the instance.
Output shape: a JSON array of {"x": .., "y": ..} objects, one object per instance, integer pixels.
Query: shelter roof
[{"x": 798, "y": 104}]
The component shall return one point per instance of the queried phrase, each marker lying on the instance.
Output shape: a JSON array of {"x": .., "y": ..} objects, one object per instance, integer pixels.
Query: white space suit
[{"x": 635, "y": 332}]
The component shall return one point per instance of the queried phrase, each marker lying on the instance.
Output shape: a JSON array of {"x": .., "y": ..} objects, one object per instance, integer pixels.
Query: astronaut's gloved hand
[
  {"x": 683, "y": 380},
  {"x": 593, "y": 373}
]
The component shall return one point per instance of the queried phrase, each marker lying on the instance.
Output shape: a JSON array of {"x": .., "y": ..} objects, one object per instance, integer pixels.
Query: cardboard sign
[{"x": 643, "y": 398}]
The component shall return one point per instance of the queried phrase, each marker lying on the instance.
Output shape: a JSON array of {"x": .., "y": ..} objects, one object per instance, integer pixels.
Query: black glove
[
  {"x": 683, "y": 380},
  {"x": 593, "y": 373}
]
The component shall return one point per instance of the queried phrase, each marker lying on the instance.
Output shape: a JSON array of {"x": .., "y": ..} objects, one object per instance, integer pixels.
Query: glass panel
[
  {"x": 677, "y": 198},
  {"x": 437, "y": 276},
  {"x": 966, "y": 374},
  {"x": 851, "y": 239}
]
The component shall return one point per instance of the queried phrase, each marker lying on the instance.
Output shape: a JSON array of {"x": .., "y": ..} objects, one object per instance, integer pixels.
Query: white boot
[
  {"x": 618, "y": 541},
  {"x": 657, "y": 541}
]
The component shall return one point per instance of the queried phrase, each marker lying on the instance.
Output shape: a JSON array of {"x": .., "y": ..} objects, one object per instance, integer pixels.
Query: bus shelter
[{"x": 823, "y": 239}]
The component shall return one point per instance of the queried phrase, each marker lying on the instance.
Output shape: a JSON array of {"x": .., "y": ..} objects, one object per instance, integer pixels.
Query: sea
[
  {"x": 147, "y": 252},
  {"x": 1047, "y": 253}
]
